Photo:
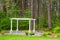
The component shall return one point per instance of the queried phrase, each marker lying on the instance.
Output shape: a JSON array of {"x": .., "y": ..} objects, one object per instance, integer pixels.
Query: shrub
[
  {"x": 56, "y": 29},
  {"x": 5, "y": 23},
  {"x": 2, "y": 32},
  {"x": 0, "y": 29},
  {"x": 32, "y": 33},
  {"x": 46, "y": 33},
  {"x": 26, "y": 33},
  {"x": 58, "y": 34}
]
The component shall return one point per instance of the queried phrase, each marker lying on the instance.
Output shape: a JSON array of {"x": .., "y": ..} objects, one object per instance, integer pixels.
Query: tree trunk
[
  {"x": 49, "y": 16},
  {"x": 22, "y": 8},
  {"x": 33, "y": 11},
  {"x": 39, "y": 13},
  {"x": 1, "y": 6},
  {"x": 7, "y": 6}
]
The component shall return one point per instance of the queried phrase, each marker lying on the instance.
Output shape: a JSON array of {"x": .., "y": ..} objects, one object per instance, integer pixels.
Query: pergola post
[
  {"x": 29, "y": 26},
  {"x": 11, "y": 27},
  {"x": 17, "y": 26},
  {"x": 34, "y": 27}
]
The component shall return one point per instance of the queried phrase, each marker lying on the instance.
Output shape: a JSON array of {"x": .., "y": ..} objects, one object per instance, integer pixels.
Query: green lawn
[{"x": 18, "y": 37}]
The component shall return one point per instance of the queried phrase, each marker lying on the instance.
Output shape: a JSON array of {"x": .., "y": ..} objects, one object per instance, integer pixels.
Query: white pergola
[{"x": 30, "y": 19}]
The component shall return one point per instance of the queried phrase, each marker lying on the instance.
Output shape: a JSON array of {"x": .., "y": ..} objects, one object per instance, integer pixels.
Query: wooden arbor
[{"x": 30, "y": 19}]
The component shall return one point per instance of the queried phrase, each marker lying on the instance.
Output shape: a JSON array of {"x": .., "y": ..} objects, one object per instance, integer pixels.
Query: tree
[
  {"x": 49, "y": 16},
  {"x": 33, "y": 11},
  {"x": 39, "y": 12},
  {"x": 22, "y": 7},
  {"x": 1, "y": 5}
]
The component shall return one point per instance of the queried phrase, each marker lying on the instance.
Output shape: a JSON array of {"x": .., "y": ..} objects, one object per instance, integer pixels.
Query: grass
[{"x": 18, "y": 37}]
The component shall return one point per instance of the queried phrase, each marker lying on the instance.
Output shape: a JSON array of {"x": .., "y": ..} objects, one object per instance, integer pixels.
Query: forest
[{"x": 46, "y": 13}]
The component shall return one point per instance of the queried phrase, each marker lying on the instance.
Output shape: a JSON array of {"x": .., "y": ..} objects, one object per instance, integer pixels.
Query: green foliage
[
  {"x": 43, "y": 22},
  {"x": 32, "y": 33},
  {"x": 27, "y": 13},
  {"x": 2, "y": 32},
  {"x": 2, "y": 15},
  {"x": 56, "y": 29},
  {"x": 27, "y": 33},
  {"x": 58, "y": 34},
  {"x": 46, "y": 33},
  {"x": 23, "y": 25},
  {"x": 0, "y": 29},
  {"x": 14, "y": 12},
  {"x": 5, "y": 23},
  {"x": 52, "y": 0}
]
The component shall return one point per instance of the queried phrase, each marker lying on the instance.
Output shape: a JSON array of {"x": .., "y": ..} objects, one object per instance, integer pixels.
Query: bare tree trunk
[
  {"x": 49, "y": 16},
  {"x": 7, "y": 6},
  {"x": 29, "y": 4},
  {"x": 39, "y": 13},
  {"x": 59, "y": 11},
  {"x": 33, "y": 11},
  {"x": 22, "y": 8},
  {"x": 26, "y": 4},
  {"x": 1, "y": 5}
]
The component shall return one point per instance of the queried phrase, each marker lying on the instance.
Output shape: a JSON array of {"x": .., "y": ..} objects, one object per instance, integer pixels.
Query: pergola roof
[{"x": 22, "y": 19}]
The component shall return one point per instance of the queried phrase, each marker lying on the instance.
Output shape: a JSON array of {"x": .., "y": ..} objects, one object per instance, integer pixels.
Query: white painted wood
[
  {"x": 17, "y": 26},
  {"x": 23, "y": 19},
  {"x": 29, "y": 26},
  {"x": 34, "y": 27},
  {"x": 11, "y": 27}
]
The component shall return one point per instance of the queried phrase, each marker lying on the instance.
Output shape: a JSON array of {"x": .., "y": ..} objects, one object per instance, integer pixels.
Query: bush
[
  {"x": 2, "y": 15},
  {"x": 58, "y": 34},
  {"x": 56, "y": 29},
  {"x": 0, "y": 29},
  {"x": 26, "y": 33},
  {"x": 2, "y": 32},
  {"x": 5, "y": 23},
  {"x": 32, "y": 33},
  {"x": 46, "y": 33}
]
